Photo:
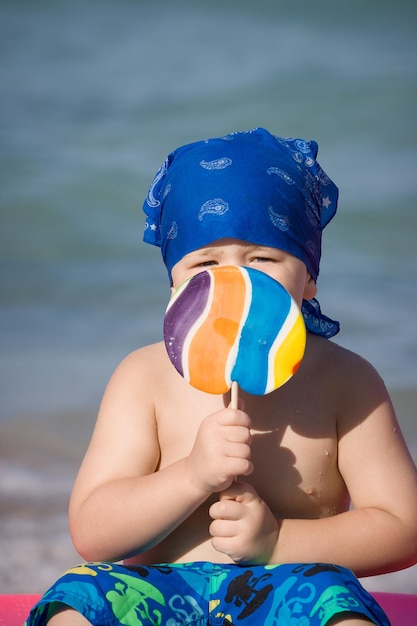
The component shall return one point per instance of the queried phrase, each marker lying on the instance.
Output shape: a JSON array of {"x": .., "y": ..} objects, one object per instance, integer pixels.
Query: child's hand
[
  {"x": 243, "y": 526},
  {"x": 221, "y": 450}
]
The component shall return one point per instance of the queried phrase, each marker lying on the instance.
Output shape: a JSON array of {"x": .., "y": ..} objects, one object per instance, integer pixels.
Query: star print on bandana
[{"x": 249, "y": 185}]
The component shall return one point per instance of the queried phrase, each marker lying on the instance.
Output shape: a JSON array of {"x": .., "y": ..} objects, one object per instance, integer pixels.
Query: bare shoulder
[
  {"x": 148, "y": 358},
  {"x": 139, "y": 374},
  {"x": 329, "y": 354},
  {"x": 350, "y": 380},
  {"x": 125, "y": 432},
  {"x": 355, "y": 393}
]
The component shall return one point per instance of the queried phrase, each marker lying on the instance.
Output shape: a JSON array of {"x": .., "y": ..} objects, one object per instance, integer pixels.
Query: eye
[
  {"x": 206, "y": 263},
  {"x": 262, "y": 259}
]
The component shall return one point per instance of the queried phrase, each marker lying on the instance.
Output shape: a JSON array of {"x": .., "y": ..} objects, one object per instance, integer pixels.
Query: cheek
[
  {"x": 180, "y": 276},
  {"x": 291, "y": 284},
  {"x": 297, "y": 286},
  {"x": 177, "y": 278}
]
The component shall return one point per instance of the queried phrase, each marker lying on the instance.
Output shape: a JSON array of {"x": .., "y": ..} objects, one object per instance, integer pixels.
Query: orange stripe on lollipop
[{"x": 210, "y": 347}]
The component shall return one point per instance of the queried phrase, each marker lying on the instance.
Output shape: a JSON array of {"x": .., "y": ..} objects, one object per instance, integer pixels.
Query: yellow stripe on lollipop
[{"x": 291, "y": 351}]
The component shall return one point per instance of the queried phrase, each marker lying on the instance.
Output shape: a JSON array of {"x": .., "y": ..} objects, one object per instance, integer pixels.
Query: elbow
[
  {"x": 87, "y": 552},
  {"x": 86, "y": 539},
  {"x": 85, "y": 544},
  {"x": 90, "y": 549},
  {"x": 412, "y": 537},
  {"x": 96, "y": 545},
  {"x": 412, "y": 547},
  {"x": 407, "y": 544}
]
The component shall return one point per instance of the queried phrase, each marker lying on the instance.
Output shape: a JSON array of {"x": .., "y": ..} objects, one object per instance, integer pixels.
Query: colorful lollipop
[
  {"x": 234, "y": 324},
  {"x": 231, "y": 324}
]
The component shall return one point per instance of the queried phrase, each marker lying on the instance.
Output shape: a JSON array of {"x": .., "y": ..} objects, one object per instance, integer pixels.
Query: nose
[{"x": 233, "y": 259}]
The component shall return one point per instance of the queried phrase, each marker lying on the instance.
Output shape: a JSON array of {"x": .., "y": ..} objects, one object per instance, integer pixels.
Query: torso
[{"x": 294, "y": 448}]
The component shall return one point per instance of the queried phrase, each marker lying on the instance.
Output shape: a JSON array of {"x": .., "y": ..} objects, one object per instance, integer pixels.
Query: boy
[{"x": 157, "y": 485}]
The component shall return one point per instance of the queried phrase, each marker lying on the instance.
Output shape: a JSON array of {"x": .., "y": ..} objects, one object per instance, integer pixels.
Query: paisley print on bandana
[{"x": 248, "y": 185}]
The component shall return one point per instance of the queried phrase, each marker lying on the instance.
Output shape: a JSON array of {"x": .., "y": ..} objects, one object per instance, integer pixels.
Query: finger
[
  {"x": 238, "y": 434},
  {"x": 236, "y": 490},
  {"x": 233, "y": 417},
  {"x": 228, "y": 510},
  {"x": 238, "y": 466},
  {"x": 236, "y": 450},
  {"x": 224, "y": 545},
  {"x": 221, "y": 529},
  {"x": 240, "y": 491}
]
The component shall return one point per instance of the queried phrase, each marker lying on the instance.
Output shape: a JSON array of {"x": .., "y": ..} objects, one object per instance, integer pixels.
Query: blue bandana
[{"x": 252, "y": 186}]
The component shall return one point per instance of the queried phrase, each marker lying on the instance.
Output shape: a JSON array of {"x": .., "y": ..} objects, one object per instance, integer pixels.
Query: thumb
[{"x": 239, "y": 491}]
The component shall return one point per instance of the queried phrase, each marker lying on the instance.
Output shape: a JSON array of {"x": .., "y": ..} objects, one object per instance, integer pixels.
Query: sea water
[{"x": 94, "y": 95}]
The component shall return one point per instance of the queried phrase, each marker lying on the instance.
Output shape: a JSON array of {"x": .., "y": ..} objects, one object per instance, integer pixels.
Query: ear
[{"x": 310, "y": 289}]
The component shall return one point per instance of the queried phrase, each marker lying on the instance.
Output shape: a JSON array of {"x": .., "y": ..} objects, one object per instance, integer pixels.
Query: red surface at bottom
[
  {"x": 400, "y": 608},
  {"x": 14, "y": 609}
]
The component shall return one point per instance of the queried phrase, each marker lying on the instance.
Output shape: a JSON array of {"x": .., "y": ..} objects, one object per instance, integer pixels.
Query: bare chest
[{"x": 295, "y": 465}]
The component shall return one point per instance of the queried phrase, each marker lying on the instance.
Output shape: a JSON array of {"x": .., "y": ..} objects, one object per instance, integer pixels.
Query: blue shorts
[{"x": 201, "y": 594}]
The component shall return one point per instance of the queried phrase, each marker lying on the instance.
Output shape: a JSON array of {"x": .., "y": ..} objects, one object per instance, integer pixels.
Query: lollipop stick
[{"x": 234, "y": 395}]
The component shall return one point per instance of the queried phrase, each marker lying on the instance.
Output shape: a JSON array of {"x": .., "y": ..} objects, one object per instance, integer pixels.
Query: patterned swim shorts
[{"x": 201, "y": 594}]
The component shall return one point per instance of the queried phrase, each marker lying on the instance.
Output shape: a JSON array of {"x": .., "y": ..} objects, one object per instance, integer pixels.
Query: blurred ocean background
[{"x": 93, "y": 96}]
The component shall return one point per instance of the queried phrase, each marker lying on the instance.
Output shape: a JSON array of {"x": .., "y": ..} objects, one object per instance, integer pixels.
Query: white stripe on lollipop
[
  {"x": 233, "y": 352},
  {"x": 290, "y": 320}
]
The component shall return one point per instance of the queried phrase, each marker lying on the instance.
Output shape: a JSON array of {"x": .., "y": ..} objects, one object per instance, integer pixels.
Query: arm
[
  {"x": 121, "y": 503},
  {"x": 380, "y": 533}
]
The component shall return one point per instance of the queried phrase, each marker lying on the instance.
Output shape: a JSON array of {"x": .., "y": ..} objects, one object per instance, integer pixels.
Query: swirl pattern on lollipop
[{"x": 231, "y": 324}]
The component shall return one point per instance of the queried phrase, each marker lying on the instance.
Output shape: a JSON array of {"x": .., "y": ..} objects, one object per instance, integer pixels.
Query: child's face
[{"x": 283, "y": 266}]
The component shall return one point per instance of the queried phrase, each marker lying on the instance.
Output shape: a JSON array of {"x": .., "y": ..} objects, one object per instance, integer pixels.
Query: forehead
[{"x": 230, "y": 245}]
